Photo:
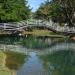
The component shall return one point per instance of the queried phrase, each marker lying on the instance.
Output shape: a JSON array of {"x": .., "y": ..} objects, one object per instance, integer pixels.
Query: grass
[
  {"x": 36, "y": 32},
  {"x": 42, "y": 32},
  {"x": 3, "y": 32}
]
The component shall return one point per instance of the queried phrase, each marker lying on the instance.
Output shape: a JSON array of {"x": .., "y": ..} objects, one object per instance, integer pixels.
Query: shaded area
[
  {"x": 7, "y": 39},
  {"x": 59, "y": 63},
  {"x": 30, "y": 41},
  {"x": 15, "y": 60},
  {"x": 35, "y": 43},
  {"x": 38, "y": 42},
  {"x": 10, "y": 62},
  {"x": 3, "y": 69}
]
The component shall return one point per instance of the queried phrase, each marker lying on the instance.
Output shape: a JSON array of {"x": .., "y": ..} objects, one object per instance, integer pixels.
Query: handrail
[{"x": 51, "y": 25}]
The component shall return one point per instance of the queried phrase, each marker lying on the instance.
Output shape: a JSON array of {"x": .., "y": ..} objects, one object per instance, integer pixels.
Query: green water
[{"x": 38, "y": 55}]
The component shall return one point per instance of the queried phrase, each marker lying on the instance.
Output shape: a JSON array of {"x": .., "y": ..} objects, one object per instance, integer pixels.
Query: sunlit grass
[{"x": 42, "y": 32}]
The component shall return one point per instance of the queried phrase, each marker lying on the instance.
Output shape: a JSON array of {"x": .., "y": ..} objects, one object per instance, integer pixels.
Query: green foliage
[
  {"x": 42, "y": 12},
  {"x": 49, "y": 10},
  {"x": 58, "y": 11},
  {"x": 68, "y": 10},
  {"x": 13, "y": 10}
]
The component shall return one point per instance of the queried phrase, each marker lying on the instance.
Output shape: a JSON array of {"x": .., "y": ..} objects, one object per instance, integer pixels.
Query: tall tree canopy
[
  {"x": 68, "y": 9},
  {"x": 13, "y": 10},
  {"x": 58, "y": 11},
  {"x": 43, "y": 11}
]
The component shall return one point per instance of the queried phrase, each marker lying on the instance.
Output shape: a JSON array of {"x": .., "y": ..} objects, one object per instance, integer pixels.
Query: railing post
[
  {"x": 18, "y": 27},
  {"x": 4, "y": 26}
]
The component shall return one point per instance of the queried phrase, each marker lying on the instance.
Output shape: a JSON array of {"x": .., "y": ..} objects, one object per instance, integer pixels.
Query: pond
[{"x": 31, "y": 55}]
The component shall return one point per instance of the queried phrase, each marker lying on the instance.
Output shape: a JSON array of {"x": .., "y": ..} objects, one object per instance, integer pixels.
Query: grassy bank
[
  {"x": 36, "y": 32},
  {"x": 42, "y": 32}
]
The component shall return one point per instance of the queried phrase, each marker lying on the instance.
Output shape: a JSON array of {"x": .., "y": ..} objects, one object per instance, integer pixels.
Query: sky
[{"x": 34, "y": 4}]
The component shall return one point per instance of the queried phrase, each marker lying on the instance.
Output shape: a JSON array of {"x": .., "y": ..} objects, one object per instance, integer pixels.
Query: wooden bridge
[{"x": 13, "y": 28}]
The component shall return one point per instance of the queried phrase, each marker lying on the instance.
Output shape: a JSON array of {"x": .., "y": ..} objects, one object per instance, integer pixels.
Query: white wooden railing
[{"x": 50, "y": 24}]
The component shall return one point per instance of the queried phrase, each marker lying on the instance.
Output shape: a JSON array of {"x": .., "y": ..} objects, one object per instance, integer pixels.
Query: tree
[
  {"x": 68, "y": 9},
  {"x": 58, "y": 11},
  {"x": 13, "y": 10},
  {"x": 42, "y": 12},
  {"x": 49, "y": 10}
]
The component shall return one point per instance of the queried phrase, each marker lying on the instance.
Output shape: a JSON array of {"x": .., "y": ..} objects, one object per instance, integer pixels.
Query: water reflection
[
  {"x": 9, "y": 39},
  {"x": 10, "y": 62},
  {"x": 59, "y": 63},
  {"x": 14, "y": 60},
  {"x": 32, "y": 67},
  {"x": 38, "y": 42},
  {"x": 37, "y": 56},
  {"x": 30, "y": 41}
]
